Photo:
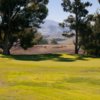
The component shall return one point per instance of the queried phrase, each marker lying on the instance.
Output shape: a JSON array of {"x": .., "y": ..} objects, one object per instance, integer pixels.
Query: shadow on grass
[{"x": 43, "y": 57}]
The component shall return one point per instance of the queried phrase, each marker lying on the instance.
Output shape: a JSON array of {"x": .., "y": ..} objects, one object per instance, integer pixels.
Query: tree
[
  {"x": 90, "y": 37},
  {"x": 78, "y": 10},
  {"x": 17, "y": 16},
  {"x": 86, "y": 33},
  {"x": 99, "y": 1},
  {"x": 37, "y": 38},
  {"x": 54, "y": 41},
  {"x": 43, "y": 41}
]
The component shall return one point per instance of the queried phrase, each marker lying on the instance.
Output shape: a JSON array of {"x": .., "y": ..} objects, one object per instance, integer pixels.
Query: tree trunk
[
  {"x": 76, "y": 43},
  {"x": 76, "y": 38},
  {"x": 6, "y": 45},
  {"x": 6, "y": 51}
]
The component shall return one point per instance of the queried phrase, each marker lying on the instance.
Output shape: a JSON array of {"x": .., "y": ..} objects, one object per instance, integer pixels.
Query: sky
[{"x": 56, "y": 12}]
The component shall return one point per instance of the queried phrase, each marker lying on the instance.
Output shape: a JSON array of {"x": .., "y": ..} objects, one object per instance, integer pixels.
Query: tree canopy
[
  {"x": 18, "y": 16},
  {"x": 90, "y": 37},
  {"x": 78, "y": 11}
]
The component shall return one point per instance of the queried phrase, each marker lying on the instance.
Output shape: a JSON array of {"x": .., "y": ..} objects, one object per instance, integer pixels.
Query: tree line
[
  {"x": 85, "y": 25},
  {"x": 20, "y": 20}
]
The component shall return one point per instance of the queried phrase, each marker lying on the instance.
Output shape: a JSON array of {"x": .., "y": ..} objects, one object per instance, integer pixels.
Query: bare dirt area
[{"x": 44, "y": 49}]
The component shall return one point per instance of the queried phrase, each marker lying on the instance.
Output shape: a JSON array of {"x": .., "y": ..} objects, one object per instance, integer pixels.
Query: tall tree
[
  {"x": 19, "y": 20},
  {"x": 79, "y": 11},
  {"x": 91, "y": 35}
]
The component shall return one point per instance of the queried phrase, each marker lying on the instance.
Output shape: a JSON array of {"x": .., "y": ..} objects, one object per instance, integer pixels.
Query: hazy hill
[{"x": 51, "y": 30}]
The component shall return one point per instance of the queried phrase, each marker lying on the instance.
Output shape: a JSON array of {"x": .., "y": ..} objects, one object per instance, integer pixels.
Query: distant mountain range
[{"x": 51, "y": 30}]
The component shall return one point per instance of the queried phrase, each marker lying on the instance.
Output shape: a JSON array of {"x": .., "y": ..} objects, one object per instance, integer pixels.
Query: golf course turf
[{"x": 49, "y": 77}]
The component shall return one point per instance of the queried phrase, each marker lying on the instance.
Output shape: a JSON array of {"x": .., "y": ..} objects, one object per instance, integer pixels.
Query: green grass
[{"x": 49, "y": 77}]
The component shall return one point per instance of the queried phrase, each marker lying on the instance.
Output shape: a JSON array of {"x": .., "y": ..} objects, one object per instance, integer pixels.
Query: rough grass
[{"x": 49, "y": 77}]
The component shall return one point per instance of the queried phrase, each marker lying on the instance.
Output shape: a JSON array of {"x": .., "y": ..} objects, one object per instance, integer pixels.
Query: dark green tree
[
  {"x": 78, "y": 11},
  {"x": 90, "y": 37},
  {"x": 54, "y": 41},
  {"x": 17, "y": 16},
  {"x": 43, "y": 41}
]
